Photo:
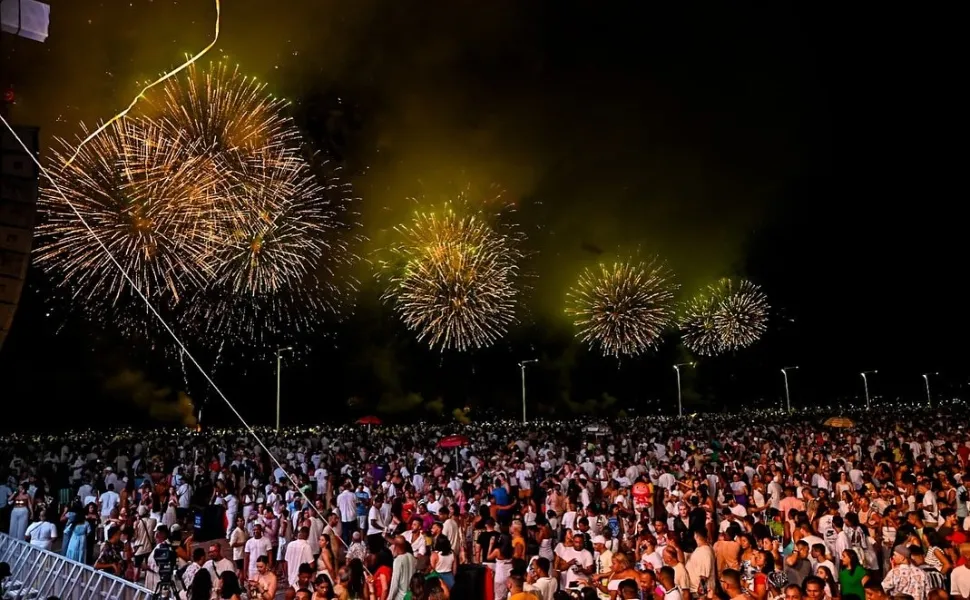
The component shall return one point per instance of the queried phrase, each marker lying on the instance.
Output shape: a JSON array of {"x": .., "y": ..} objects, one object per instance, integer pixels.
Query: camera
[{"x": 166, "y": 559}]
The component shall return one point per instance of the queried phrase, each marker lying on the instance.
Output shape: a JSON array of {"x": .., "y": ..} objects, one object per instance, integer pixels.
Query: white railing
[{"x": 38, "y": 574}]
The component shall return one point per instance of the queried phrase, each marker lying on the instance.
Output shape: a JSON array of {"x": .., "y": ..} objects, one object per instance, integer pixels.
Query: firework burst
[
  {"x": 212, "y": 206},
  {"x": 727, "y": 316},
  {"x": 623, "y": 308},
  {"x": 455, "y": 279},
  {"x": 224, "y": 112},
  {"x": 277, "y": 260},
  {"x": 141, "y": 193}
]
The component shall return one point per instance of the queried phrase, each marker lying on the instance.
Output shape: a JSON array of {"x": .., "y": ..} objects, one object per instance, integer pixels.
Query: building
[{"x": 18, "y": 209}]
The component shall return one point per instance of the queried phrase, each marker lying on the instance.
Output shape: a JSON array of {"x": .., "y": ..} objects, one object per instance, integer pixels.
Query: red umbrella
[
  {"x": 453, "y": 441},
  {"x": 369, "y": 420}
]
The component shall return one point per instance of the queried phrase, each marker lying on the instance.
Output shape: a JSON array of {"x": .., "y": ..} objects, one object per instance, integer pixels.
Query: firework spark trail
[
  {"x": 141, "y": 94},
  {"x": 623, "y": 308},
  {"x": 456, "y": 284},
  {"x": 727, "y": 316}
]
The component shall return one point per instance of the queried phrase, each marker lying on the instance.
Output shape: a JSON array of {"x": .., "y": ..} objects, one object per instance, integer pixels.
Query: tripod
[{"x": 166, "y": 590}]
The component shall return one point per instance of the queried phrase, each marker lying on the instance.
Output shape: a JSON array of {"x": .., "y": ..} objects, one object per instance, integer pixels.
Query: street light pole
[
  {"x": 784, "y": 373},
  {"x": 680, "y": 400},
  {"x": 926, "y": 379},
  {"x": 865, "y": 384},
  {"x": 279, "y": 360},
  {"x": 522, "y": 365}
]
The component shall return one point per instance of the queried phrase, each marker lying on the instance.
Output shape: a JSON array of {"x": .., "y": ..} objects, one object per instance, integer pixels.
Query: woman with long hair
[
  {"x": 831, "y": 586},
  {"x": 326, "y": 562},
  {"x": 230, "y": 589},
  {"x": 76, "y": 538},
  {"x": 935, "y": 554},
  {"x": 852, "y": 575},
  {"x": 356, "y": 584},
  {"x": 323, "y": 588},
  {"x": 201, "y": 588},
  {"x": 443, "y": 561},
  {"x": 20, "y": 516},
  {"x": 383, "y": 569}
]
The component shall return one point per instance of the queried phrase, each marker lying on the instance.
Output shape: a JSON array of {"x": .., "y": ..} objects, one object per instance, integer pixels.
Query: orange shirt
[{"x": 518, "y": 547}]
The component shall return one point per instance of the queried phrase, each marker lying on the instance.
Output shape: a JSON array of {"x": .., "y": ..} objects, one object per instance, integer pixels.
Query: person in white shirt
[
  {"x": 701, "y": 565},
  {"x": 603, "y": 557},
  {"x": 817, "y": 554},
  {"x": 575, "y": 562},
  {"x": 42, "y": 534},
  {"x": 960, "y": 576},
  {"x": 449, "y": 527},
  {"x": 539, "y": 582},
  {"x": 108, "y": 501},
  {"x": 826, "y": 530},
  {"x": 415, "y": 537},
  {"x": 184, "y": 495},
  {"x": 931, "y": 511},
  {"x": 86, "y": 493},
  {"x": 232, "y": 511},
  {"x": 143, "y": 541},
  {"x": 671, "y": 590},
  {"x": 255, "y": 547},
  {"x": 376, "y": 524},
  {"x": 775, "y": 492},
  {"x": 347, "y": 506},
  {"x": 152, "y": 569},
  {"x": 237, "y": 544},
  {"x": 298, "y": 554},
  {"x": 320, "y": 475},
  {"x": 110, "y": 478},
  {"x": 217, "y": 564}
]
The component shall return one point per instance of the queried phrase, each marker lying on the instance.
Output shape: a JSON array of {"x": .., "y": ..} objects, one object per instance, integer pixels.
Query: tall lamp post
[
  {"x": 865, "y": 384},
  {"x": 784, "y": 373},
  {"x": 279, "y": 360},
  {"x": 523, "y": 365},
  {"x": 926, "y": 380},
  {"x": 680, "y": 399}
]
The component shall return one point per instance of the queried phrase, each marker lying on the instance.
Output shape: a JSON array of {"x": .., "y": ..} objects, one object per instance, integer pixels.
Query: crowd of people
[{"x": 759, "y": 505}]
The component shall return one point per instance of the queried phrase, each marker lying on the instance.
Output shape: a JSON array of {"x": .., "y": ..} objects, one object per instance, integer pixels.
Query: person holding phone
[
  {"x": 576, "y": 562},
  {"x": 622, "y": 569}
]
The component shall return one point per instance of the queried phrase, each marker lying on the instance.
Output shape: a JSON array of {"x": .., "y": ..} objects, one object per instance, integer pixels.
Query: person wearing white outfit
[
  {"x": 42, "y": 534},
  {"x": 298, "y": 553}
]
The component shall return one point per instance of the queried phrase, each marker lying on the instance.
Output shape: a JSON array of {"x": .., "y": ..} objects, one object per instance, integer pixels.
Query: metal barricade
[{"x": 37, "y": 574}]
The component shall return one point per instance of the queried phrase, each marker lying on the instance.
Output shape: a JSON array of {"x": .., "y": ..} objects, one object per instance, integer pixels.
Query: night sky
[{"x": 797, "y": 147}]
